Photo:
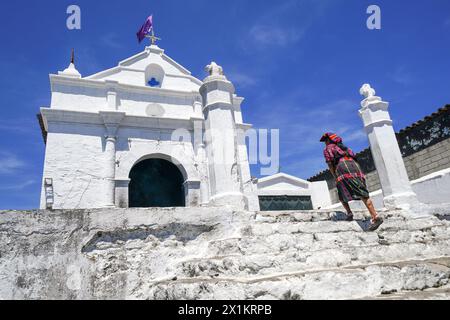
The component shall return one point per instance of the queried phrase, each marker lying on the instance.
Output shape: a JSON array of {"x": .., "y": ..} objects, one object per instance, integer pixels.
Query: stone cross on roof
[{"x": 153, "y": 38}]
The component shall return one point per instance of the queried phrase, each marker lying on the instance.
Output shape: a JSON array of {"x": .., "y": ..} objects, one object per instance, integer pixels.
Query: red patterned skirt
[{"x": 351, "y": 181}]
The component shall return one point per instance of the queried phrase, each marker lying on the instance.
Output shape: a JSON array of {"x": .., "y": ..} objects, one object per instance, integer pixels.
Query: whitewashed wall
[
  {"x": 75, "y": 160},
  {"x": 75, "y": 163},
  {"x": 320, "y": 196},
  {"x": 431, "y": 189},
  {"x": 282, "y": 184},
  {"x": 82, "y": 108}
]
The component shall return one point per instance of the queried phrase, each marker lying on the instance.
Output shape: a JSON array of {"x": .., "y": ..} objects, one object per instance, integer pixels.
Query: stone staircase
[{"x": 217, "y": 253}]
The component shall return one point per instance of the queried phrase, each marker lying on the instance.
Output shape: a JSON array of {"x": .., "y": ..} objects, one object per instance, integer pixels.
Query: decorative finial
[
  {"x": 367, "y": 91},
  {"x": 71, "y": 71},
  {"x": 214, "y": 69},
  {"x": 369, "y": 95}
]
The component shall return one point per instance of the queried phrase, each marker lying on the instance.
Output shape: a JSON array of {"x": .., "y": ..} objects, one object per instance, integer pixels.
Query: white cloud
[
  {"x": 285, "y": 24},
  {"x": 18, "y": 126},
  {"x": 10, "y": 163},
  {"x": 301, "y": 126},
  {"x": 354, "y": 134},
  {"x": 402, "y": 76},
  {"x": 265, "y": 35},
  {"x": 447, "y": 22},
  {"x": 241, "y": 79},
  {"x": 302, "y": 166},
  {"x": 111, "y": 40},
  {"x": 18, "y": 186},
  {"x": 87, "y": 62},
  {"x": 330, "y": 109}
]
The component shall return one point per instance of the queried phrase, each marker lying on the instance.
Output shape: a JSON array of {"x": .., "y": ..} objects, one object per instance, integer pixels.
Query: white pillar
[
  {"x": 112, "y": 101},
  {"x": 192, "y": 193},
  {"x": 386, "y": 153},
  {"x": 249, "y": 186},
  {"x": 111, "y": 121},
  {"x": 121, "y": 192},
  {"x": 204, "y": 186},
  {"x": 197, "y": 107},
  {"x": 110, "y": 170},
  {"x": 221, "y": 140}
]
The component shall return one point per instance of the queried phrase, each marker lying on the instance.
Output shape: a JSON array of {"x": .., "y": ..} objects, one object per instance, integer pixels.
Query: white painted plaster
[
  {"x": 282, "y": 184},
  {"x": 431, "y": 189},
  {"x": 102, "y": 125},
  {"x": 386, "y": 153}
]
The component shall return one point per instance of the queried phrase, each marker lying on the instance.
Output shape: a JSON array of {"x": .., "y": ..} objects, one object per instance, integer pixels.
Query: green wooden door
[{"x": 156, "y": 183}]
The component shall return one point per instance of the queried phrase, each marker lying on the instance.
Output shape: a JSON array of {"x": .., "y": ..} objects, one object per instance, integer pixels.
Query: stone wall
[
  {"x": 433, "y": 189},
  {"x": 429, "y": 160},
  {"x": 218, "y": 253},
  {"x": 425, "y": 147}
]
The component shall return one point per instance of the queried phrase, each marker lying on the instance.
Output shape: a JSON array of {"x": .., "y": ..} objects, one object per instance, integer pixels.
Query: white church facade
[{"x": 110, "y": 140}]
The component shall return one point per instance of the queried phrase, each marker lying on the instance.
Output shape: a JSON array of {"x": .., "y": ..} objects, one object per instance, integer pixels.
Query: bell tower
[{"x": 226, "y": 185}]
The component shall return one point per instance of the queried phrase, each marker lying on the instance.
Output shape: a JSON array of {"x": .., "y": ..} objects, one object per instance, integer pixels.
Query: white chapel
[{"x": 146, "y": 133}]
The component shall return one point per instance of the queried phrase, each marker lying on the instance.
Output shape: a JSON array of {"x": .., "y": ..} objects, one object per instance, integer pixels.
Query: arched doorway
[{"x": 156, "y": 183}]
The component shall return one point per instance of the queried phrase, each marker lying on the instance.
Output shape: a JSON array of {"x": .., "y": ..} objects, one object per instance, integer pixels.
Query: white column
[
  {"x": 221, "y": 140},
  {"x": 249, "y": 187},
  {"x": 204, "y": 186},
  {"x": 111, "y": 121},
  {"x": 112, "y": 101},
  {"x": 386, "y": 153},
  {"x": 121, "y": 192},
  {"x": 192, "y": 193},
  {"x": 201, "y": 158},
  {"x": 197, "y": 107},
  {"x": 110, "y": 170}
]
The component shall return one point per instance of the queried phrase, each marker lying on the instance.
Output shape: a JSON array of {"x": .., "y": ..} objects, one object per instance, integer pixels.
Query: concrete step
[
  {"x": 441, "y": 293},
  {"x": 354, "y": 282},
  {"x": 265, "y": 248},
  {"x": 318, "y": 215},
  {"x": 296, "y": 260},
  {"x": 263, "y": 237},
  {"x": 217, "y": 253}
]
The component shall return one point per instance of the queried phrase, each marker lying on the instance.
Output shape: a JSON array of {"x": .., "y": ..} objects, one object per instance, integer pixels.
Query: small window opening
[{"x": 154, "y": 83}]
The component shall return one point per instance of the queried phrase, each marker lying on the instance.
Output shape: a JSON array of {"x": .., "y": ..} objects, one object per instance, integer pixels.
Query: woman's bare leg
[
  {"x": 347, "y": 207},
  {"x": 369, "y": 204}
]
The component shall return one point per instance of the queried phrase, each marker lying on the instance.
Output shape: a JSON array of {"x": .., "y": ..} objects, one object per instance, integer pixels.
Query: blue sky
[{"x": 299, "y": 64}]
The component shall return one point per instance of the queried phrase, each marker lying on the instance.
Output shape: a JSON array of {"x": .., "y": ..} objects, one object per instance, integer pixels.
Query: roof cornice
[
  {"x": 95, "y": 118},
  {"x": 282, "y": 175},
  {"x": 124, "y": 64},
  {"x": 102, "y": 84}
]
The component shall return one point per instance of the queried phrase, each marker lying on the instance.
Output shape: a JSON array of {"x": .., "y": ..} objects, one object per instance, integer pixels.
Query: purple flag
[{"x": 145, "y": 29}]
